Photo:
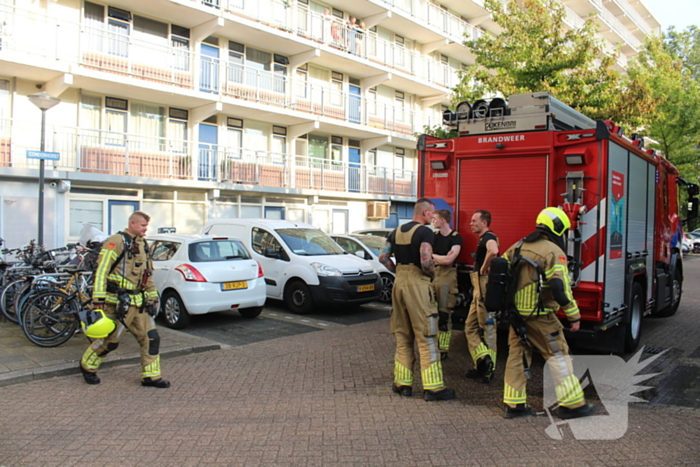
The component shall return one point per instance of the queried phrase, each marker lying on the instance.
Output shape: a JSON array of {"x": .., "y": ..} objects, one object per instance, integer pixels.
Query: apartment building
[{"x": 193, "y": 109}]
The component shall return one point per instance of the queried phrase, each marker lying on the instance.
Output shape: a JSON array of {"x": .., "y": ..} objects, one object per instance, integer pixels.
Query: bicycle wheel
[
  {"x": 7, "y": 299},
  {"x": 50, "y": 318}
]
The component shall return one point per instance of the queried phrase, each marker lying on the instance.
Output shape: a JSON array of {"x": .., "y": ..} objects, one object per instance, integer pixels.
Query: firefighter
[
  {"x": 414, "y": 318},
  {"x": 124, "y": 289},
  {"x": 448, "y": 244},
  {"x": 480, "y": 327},
  {"x": 541, "y": 282}
]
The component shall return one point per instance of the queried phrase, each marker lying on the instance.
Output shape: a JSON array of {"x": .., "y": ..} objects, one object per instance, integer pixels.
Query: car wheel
[
  {"x": 174, "y": 311},
  {"x": 251, "y": 312},
  {"x": 633, "y": 329},
  {"x": 298, "y": 298},
  {"x": 387, "y": 288}
]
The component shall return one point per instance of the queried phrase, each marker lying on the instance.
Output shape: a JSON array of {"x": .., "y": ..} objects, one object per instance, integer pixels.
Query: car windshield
[
  {"x": 217, "y": 250},
  {"x": 309, "y": 242},
  {"x": 373, "y": 242}
]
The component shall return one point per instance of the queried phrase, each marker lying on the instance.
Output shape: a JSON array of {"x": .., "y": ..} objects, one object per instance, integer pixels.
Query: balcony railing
[
  {"x": 123, "y": 154},
  {"x": 443, "y": 21}
]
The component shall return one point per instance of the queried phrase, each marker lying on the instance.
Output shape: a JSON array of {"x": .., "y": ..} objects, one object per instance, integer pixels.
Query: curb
[{"x": 71, "y": 368}]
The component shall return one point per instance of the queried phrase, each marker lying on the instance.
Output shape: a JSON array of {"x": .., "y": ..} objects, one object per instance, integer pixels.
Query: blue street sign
[{"x": 52, "y": 156}]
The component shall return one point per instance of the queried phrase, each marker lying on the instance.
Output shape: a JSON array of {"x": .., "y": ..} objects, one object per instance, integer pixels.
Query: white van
[{"x": 303, "y": 266}]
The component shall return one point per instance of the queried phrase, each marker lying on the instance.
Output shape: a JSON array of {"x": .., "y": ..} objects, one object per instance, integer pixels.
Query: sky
[{"x": 678, "y": 13}]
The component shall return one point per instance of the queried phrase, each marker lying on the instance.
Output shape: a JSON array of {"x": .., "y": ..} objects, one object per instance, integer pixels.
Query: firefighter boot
[
  {"x": 485, "y": 368},
  {"x": 405, "y": 391},
  {"x": 89, "y": 377},
  {"x": 441, "y": 395},
  {"x": 155, "y": 383},
  {"x": 583, "y": 411},
  {"x": 520, "y": 410}
]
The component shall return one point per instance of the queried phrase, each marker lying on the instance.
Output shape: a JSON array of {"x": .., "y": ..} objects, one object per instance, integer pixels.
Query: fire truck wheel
[
  {"x": 676, "y": 292},
  {"x": 633, "y": 328}
]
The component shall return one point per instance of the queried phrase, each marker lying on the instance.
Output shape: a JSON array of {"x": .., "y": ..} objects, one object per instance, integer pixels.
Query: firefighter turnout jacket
[
  {"x": 544, "y": 294},
  {"x": 124, "y": 263}
]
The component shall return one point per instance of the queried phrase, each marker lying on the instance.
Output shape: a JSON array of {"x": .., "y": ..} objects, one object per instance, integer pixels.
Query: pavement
[
  {"x": 21, "y": 361},
  {"x": 324, "y": 399}
]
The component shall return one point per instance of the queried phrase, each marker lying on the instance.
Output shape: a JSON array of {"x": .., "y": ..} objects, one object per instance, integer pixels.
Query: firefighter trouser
[
  {"x": 545, "y": 335},
  {"x": 480, "y": 329},
  {"x": 142, "y": 326},
  {"x": 445, "y": 285},
  {"x": 414, "y": 319}
]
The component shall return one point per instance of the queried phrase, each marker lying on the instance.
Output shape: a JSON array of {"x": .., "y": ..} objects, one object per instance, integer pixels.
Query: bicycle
[{"x": 50, "y": 317}]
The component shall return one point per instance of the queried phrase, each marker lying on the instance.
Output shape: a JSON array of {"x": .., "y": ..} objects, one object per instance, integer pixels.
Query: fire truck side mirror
[{"x": 692, "y": 208}]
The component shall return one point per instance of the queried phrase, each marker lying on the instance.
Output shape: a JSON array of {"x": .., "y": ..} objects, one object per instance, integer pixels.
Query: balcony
[
  {"x": 121, "y": 154},
  {"x": 611, "y": 27}
]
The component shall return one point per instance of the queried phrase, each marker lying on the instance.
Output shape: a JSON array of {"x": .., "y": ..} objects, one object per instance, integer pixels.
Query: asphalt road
[{"x": 230, "y": 328}]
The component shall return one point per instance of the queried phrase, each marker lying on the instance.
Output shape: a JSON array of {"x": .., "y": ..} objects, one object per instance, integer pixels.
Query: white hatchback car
[
  {"x": 198, "y": 274},
  {"x": 368, "y": 247}
]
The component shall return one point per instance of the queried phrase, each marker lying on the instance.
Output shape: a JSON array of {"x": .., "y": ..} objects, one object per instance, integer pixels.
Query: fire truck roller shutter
[{"x": 510, "y": 187}]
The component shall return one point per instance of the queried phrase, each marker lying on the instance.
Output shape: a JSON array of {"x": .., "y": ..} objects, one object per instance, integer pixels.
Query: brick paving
[{"x": 324, "y": 399}]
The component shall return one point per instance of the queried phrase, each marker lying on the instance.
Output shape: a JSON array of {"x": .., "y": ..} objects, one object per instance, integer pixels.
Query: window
[
  {"x": 83, "y": 212},
  {"x": 164, "y": 250},
  {"x": 115, "y": 121},
  {"x": 177, "y": 130},
  {"x": 400, "y": 106},
  {"x": 372, "y": 158},
  {"x": 372, "y": 101},
  {"x": 234, "y": 135},
  {"x": 301, "y": 82},
  {"x": 279, "y": 143},
  {"x": 336, "y": 89},
  {"x": 318, "y": 146},
  {"x": 337, "y": 149},
  {"x": 217, "y": 250},
  {"x": 180, "y": 42},
  {"x": 264, "y": 240},
  {"x": 147, "y": 125}
]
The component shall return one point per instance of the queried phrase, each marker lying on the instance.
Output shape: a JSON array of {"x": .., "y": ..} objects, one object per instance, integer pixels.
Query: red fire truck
[{"x": 515, "y": 157}]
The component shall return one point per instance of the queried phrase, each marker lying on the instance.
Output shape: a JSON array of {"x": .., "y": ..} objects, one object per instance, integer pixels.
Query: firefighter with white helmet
[
  {"x": 126, "y": 297},
  {"x": 541, "y": 287}
]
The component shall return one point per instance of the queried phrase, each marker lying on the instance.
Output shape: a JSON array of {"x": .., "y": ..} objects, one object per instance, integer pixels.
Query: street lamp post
[{"x": 44, "y": 101}]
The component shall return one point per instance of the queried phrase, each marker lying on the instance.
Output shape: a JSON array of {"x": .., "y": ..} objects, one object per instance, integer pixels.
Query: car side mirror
[
  {"x": 360, "y": 254},
  {"x": 270, "y": 252}
]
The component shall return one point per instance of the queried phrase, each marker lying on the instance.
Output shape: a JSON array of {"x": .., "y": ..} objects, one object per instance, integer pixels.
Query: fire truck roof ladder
[{"x": 522, "y": 112}]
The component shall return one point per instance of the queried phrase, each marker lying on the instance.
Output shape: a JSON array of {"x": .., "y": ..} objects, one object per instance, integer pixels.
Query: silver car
[{"x": 368, "y": 247}]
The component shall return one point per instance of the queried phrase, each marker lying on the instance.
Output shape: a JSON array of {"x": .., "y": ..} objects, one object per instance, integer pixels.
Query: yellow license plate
[
  {"x": 234, "y": 285},
  {"x": 365, "y": 288}
]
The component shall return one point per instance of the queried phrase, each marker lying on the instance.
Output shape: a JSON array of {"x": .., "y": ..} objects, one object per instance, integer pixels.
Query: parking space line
[{"x": 298, "y": 319}]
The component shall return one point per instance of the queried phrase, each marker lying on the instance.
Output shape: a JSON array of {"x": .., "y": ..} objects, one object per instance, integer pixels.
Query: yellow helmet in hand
[{"x": 96, "y": 324}]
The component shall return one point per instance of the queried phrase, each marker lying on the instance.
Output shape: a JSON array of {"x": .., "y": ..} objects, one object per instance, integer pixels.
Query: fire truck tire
[
  {"x": 676, "y": 292},
  {"x": 633, "y": 327}
]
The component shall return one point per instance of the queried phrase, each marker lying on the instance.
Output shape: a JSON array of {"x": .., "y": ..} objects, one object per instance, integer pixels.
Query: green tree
[
  {"x": 673, "y": 121},
  {"x": 686, "y": 46},
  {"x": 538, "y": 52}
]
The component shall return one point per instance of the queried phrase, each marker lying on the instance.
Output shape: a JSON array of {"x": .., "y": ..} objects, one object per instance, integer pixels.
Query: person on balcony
[
  {"x": 360, "y": 38},
  {"x": 327, "y": 23},
  {"x": 351, "y": 30}
]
